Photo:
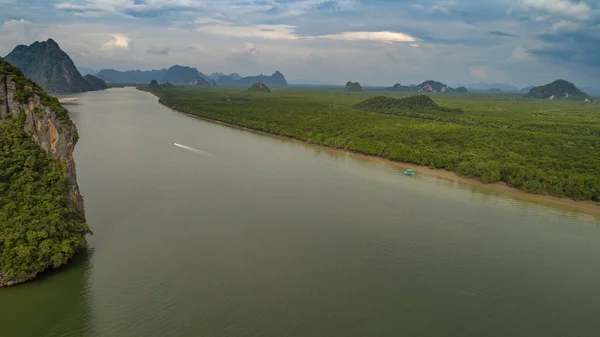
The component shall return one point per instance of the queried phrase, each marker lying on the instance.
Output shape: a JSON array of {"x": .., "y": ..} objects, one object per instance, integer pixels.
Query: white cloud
[
  {"x": 478, "y": 72},
  {"x": 118, "y": 41},
  {"x": 20, "y": 29},
  {"x": 128, "y": 5},
  {"x": 566, "y": 26},
  {"x": 387, "y": 37},
  {"x": 205, "y": 20},
  {"x": 287, "y": 32},
  {"x": 443, "y": 6},
  {"x": 249, "y": 48},
  {"x": 559, "y": 8},
  {"x": 15, "y": 32},
  {"x": 519, "y": 54},
  {"x": 269, "y": 32}
]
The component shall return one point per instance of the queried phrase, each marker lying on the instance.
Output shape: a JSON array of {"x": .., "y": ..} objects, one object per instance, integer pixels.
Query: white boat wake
[{"x": 189, "y": 148}]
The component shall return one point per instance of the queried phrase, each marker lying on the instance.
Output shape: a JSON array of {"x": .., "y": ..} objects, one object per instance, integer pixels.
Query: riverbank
[{"x": 503, "y": 188}]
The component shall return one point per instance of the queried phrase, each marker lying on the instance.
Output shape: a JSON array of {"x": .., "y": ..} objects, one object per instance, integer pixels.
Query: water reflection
[{"x": 57, "y": 303}]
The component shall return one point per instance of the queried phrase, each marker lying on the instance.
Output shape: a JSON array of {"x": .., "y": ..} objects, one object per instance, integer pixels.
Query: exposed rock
[
  {"x": 559, "y": 90},
  {"x": 47, "y": 122},
  {"x": 48, "y": 66},
  {"x": 25, "y": 105},
  {"x": 259, "y": 87},
  {"x": 427, "y": 86}
]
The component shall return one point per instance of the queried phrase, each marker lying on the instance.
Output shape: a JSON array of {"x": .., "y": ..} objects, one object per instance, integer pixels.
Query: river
[{"x": 234, "y": 233}]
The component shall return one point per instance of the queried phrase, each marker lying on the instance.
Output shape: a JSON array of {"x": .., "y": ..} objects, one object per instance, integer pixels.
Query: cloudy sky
[{"x": 376, "y": 42}]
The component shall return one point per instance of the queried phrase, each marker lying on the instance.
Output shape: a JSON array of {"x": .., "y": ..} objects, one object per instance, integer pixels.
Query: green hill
[
  {"x": 259, "y": 87},
  {"x": 559, "y": 90},
  {"x": 154, "y": 85},
  {"x": 353, "y": 86},
  {"x": 42, "y": 222},
  {"x": 413, "y": 103},
  {"x": 95, "y": 82}
]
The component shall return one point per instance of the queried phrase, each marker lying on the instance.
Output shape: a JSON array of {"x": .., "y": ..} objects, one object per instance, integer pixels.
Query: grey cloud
[
  {"x": 581, "y": 46},
  {"x": 501, "y": 34},
  {"x": 157, "y": 50},
  {"x": 554, "y": 53},
  {"x": 464, "y": 33}
]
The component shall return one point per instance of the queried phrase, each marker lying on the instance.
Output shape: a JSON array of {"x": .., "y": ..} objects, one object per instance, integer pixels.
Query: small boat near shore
[{"x": 409, "y": 172}]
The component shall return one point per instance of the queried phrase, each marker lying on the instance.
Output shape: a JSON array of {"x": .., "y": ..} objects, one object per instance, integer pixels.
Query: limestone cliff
[
  {"x": 47, "y": 122},
  {"x": 51, "y": 237},
  {"x": 50, "y": 67}
]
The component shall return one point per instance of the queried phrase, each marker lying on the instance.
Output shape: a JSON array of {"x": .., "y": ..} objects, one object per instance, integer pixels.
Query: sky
[{"x": 375, "y": 42}]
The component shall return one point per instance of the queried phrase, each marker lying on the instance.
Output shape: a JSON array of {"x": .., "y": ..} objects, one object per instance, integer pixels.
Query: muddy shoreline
[{"x": 587, "y": 206}]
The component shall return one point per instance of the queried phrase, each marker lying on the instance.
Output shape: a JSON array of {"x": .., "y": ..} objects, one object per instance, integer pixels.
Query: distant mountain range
[
  {"x": 188, "y": 76},
  {"x": 216, "y": 76},
  {"x": 528, "y": 89},
  {"x": 51, "y": 68},
  {"x": 558, "y": 90},
  {"x": 275, "y": 80},
  {"x": 185, "y": 75},
  {"x": 87, "y": 71},
  {"x": 496, "y": 87},
  {"x": 131, "y": 76},
  {"x": 482, "y": 86},
  {"x": 427, "y": 86}
]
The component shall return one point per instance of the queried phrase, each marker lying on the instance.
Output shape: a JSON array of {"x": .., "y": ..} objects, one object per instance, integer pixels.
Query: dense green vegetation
[
  {"x": 259, "y": 87},
  {"x": 28, "y": 88},
  {"x": 559, "y": 89},
  {"x": 353, "y": 86},
  {"x": 154, "y": 85},
  {"x": 95, "y": 82},
  {"x": 38, "y": 229},
  {"x": 538, "y": 146},
  {"x": 399, "y": 106}
]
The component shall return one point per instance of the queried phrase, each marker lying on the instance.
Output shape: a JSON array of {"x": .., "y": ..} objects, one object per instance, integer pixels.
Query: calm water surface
[{"x": 257, "y": 236}]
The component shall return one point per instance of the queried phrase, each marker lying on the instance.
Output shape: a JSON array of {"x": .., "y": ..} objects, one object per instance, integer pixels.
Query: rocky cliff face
[
  {"x": 558, "y": 90},
  {"x": 47, "y": 122},
  {"x": 49, "y": 66},
  {"x": 42, "y": 219}
]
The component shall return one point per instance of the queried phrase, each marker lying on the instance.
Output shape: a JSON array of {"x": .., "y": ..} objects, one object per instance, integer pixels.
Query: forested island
[
  {"x": 537, "y": 146},
  {"x": 42, "y": 220}
]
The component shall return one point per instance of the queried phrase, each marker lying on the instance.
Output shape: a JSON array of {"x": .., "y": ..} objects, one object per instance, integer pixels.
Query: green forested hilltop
[
  {"x": 38, "y": 227},
  {"x": 538, "y": 146}
]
